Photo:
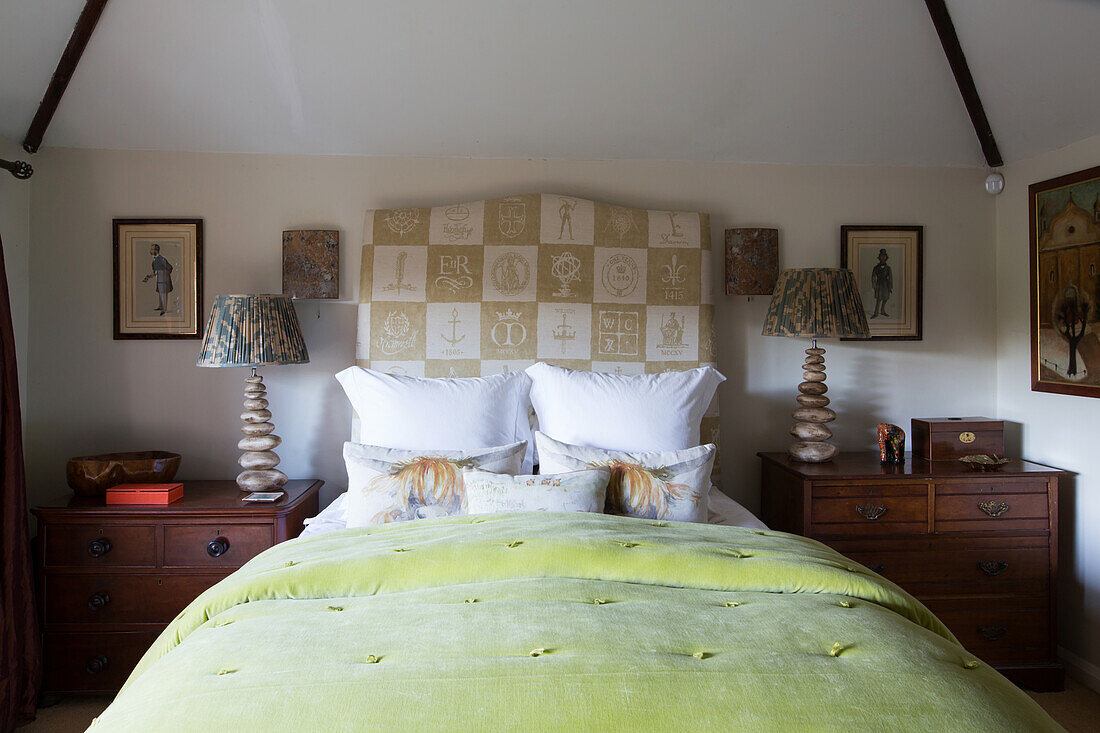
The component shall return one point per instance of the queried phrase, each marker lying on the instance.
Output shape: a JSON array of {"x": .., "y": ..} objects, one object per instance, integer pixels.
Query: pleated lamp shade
[
  {"x": 817, "y": 302},
  {"x": 252, "y": 331}
]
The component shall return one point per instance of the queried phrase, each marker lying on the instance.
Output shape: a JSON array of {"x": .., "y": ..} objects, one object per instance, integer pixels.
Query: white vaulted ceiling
[{"x": 785, "y": 81}]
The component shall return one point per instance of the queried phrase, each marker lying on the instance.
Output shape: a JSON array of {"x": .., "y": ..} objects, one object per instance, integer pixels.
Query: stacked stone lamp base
[
  {"x": 259, "y": 442},
  {"x": 813, "y": 414}
]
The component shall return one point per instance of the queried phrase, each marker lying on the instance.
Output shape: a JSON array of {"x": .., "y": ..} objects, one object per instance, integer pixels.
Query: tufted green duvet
[{"x": 560, "y": 622}]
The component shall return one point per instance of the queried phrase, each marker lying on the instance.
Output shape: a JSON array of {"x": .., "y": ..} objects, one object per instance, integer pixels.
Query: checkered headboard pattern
[{"x": 478, "y": 288}]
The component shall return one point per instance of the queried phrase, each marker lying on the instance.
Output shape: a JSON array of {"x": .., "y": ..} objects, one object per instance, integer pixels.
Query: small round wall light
[{"x": 994, "y": 184}]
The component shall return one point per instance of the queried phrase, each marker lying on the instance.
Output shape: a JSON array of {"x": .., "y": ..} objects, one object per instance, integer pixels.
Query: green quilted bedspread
[{"x": 560, "y": 622}]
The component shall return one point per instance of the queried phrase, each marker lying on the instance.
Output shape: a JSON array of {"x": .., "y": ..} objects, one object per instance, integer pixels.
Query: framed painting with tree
[{"x": 1065, "y": 283}]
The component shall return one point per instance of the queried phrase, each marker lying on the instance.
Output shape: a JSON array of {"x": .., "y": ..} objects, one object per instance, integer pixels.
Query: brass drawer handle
[
  {"x": 993, "y": 508},
  {"x": 98, "y": 600},
  {"x": 992, "y": 633},
  {"x": 870, "y": 511},
  {"x": 992, "y": 567},
  {"x": 217, "y": 547},
  {"x": 99, "y": 548},
  {"x": 96, "y": 664}
]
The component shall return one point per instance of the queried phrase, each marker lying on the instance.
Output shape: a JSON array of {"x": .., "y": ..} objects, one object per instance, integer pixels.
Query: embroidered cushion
[
  {"x": 655, "y": 484},
  {"x": 393, "y": 485},
  {"x": 576, "y": 491}
]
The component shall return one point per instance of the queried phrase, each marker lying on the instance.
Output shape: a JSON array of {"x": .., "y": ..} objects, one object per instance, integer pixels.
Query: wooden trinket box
[{"x": 951, "y": 438}]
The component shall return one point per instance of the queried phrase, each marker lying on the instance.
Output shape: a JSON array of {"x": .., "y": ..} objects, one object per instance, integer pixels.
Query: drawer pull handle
[
  {"x": 870, "y": 511},
  {"x": 96, "y": 664},
  {"x": 992, "y": 567},
  {"x": 992, "y": 633},
  {"x": 99, "y": 548},
  {"x": 217, "y": 547},
  {"x": 98, "y": 600},
  {"x": 993, "y": 508}
]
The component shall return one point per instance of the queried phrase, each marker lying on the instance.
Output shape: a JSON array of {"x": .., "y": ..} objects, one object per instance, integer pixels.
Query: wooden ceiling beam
[
  {"x": 82, "y": 31},
  {"x": 957, "y": 60}
]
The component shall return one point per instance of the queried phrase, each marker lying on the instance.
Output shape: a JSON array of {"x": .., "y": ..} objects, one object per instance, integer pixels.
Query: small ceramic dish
[{"x": 984, "y": 462}]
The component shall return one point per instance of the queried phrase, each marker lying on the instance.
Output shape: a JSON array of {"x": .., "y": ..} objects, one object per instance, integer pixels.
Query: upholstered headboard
[{"x": 488, "y": 286}]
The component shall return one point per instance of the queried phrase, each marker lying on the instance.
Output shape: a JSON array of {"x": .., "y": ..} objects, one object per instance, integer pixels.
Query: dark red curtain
[{"x": 20, "y": 648}]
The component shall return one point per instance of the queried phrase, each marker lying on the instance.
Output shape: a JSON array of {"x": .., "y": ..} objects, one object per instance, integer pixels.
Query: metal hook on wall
[{"x": 17, "y": 168}]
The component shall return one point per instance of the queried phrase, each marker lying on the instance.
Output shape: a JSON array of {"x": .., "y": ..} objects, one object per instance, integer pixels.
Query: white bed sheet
[{"x": 722, "y": 510}]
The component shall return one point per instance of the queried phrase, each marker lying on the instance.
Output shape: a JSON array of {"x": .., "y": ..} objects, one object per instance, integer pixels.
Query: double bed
[
  {"x": 560, "y": 622},
  {"x": 548, "y": 620}
]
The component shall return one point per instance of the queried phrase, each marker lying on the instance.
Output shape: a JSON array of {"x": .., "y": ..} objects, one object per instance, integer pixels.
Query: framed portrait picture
[
  {"x": 888, "y": 264},
  {"x": 158, "y": 278},
  {"x": 1065, "y": 283}
]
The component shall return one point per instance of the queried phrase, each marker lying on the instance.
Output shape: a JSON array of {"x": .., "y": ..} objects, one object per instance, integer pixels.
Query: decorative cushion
[
  {"x": 651, "y": 484},
  {"x": 445, "y": 413},
  {"x": 576, "y": 491},
  {"x": 720, "y": 510},
  {"x": 392, "y": 485},
  {"x": 641, "y": 412}
]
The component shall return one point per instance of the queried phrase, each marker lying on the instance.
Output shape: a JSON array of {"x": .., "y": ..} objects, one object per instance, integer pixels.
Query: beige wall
[
  {"x": 15, "y": 227},
  {"x": 89, "y": 393},
  {"x": 1057, "y": 429}
]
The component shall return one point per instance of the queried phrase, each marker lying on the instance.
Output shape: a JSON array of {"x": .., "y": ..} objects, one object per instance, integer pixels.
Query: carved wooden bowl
[{"x": 93, "y": 475}]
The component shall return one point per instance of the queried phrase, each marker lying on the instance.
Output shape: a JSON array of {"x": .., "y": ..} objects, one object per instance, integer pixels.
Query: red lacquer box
[{"x": 144, "y": 493}]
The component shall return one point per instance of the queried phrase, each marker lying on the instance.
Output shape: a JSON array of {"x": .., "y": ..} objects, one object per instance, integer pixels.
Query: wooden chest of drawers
[
  {"x": 979, "y": 549},
  {"x": 110, "y": 578}
]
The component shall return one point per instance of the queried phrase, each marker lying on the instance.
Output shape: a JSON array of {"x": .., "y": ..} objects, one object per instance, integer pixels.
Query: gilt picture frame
[
  {"x": 1064, "y": 251},
  {"x": 888, "y": 263},
  {"x": 157, "y": 278}
]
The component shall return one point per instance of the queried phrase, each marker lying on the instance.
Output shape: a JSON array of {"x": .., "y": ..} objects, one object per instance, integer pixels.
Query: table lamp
[
  {"x": 815, "y": 303},
  {"x": 253, "y": 331}
]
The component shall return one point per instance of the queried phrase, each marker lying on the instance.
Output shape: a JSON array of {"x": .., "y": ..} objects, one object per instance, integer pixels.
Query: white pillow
[
  {"x": 642, "y": 412},
  {"x": 450, "y": 413},
  {"x": 653, "y": 485},
  {"x": 576, "y": 491},
  {"x": 391, "y": 485}
]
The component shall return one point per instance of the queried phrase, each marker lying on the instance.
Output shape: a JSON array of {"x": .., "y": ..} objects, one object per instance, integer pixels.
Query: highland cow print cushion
[
  {"x": 654, "y": 485},
  {"x": 392, "y": 485}
]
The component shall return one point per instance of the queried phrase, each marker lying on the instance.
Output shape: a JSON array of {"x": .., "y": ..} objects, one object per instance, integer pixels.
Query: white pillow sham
[
  {"x": 650, "y": 484},
  {"x": 448, "y": 413},
  {"x": 642, "y": 412},
  {"x": 575, "y": 491},
  {"x": 393, "y": 485}
]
